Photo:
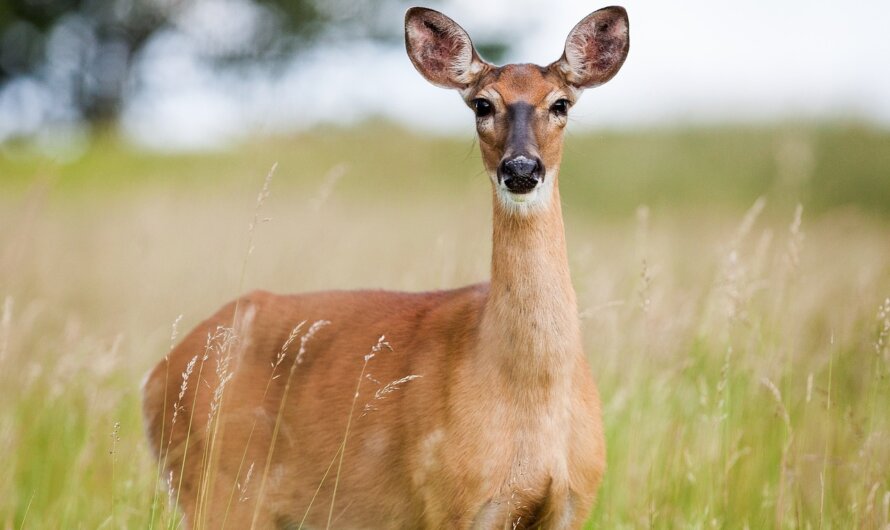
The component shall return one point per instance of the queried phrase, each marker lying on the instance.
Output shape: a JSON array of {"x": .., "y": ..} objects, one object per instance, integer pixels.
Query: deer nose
[{"x": 520, "y": 174}]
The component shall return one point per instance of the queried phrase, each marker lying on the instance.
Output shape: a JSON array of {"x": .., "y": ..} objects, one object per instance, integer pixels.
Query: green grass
[
  {"x": 705, "y": 333},
  {"x": 823, "y": 166}
]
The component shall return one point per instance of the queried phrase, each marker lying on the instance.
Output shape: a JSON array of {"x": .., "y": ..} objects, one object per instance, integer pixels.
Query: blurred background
[
  {"x": 186, "y": 74},
  {"x": 789, "y": 98},
  {"x": 727, "y": 203}
]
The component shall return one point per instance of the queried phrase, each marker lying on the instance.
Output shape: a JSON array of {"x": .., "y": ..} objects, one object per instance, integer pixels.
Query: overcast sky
[{"x": 690, "y": 61}]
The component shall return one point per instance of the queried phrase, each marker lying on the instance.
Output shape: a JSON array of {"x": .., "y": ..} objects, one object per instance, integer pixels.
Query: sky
[{"x": 690, "y": 61}]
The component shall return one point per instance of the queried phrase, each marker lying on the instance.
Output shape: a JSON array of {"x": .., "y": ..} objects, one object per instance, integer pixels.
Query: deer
[{"x": 492, "y": 418}]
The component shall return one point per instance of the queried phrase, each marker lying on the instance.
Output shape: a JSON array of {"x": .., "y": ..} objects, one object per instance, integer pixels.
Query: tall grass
[{"x": 741, "y": 352}]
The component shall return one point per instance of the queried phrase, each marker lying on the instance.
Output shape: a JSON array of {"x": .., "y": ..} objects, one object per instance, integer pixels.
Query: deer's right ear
[{"x": 441, "y": 50}]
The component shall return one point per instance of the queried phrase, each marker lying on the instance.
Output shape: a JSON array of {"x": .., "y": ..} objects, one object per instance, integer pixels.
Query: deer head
[{"x": 521, "y": 109}]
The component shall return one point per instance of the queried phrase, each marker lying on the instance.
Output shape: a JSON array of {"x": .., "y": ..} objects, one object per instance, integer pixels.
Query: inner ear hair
[
  {"x": 440, "y": 49},
  {"x": 596, "y": 48}
]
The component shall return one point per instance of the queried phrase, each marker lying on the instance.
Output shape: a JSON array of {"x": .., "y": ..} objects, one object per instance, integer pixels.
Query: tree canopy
[{"x": 84, "y": 51}]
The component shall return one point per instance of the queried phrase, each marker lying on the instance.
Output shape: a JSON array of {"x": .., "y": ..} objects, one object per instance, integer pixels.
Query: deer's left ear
[
  {"x": 596, "y": 48},
  {"x": 441, "y": 50}
]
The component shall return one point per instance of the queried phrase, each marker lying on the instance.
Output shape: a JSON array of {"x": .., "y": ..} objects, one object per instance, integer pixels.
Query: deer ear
[
  {"x": 596, "y": 48},
  {"x": 440, "y": 49}
]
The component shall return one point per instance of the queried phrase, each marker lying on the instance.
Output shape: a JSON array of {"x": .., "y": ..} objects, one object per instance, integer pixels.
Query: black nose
[{"x": 520, "y": 174}]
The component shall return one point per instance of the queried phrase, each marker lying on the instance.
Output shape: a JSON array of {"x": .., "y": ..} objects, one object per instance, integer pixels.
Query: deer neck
[{"x": 530, "y": 331}]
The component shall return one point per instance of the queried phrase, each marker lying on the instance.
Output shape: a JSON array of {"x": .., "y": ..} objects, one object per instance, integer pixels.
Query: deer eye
[
  {"x": 560, "y": 107},
  {"x": 482, "y": 107}
]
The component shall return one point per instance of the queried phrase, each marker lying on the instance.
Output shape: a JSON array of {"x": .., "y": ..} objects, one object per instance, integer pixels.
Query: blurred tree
[{"x": 83, "y": 51}]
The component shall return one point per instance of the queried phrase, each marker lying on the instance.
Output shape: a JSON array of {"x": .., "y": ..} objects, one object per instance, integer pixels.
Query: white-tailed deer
[{"x": 492, "y": 419}]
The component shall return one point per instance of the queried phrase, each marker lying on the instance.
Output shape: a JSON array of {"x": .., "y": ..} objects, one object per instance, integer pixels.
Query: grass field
[{"x": 740, "y": 340}]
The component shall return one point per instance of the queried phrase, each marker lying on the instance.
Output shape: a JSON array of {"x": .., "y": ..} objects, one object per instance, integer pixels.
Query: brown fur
[
  {"x": 502, "y": 427},
  {"x": 522, "y": 83}
]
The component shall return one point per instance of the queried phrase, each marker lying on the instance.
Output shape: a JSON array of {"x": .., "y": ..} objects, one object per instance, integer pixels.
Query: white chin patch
[
  {"x": 524, "y": 203},
  {"x": 521, "y": 198}
]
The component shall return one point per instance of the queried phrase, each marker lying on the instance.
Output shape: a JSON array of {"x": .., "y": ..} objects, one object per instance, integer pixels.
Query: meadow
[{"x": 734, "y": 288}]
